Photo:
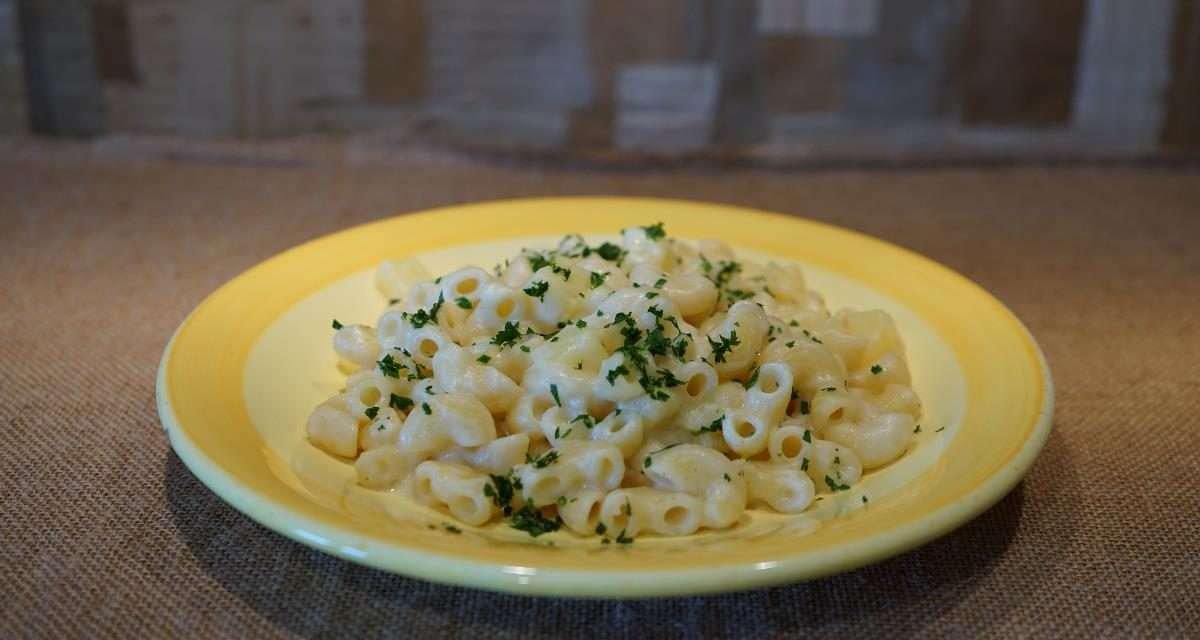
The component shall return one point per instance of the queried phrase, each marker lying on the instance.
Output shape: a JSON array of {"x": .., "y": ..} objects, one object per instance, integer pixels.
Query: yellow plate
[{"x": 244, "y": 369}]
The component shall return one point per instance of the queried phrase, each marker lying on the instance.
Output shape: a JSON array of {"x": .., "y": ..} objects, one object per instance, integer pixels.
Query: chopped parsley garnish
[
  {"x": 829, "y": 389},
  {"x": 623, "y": 539},
  {"x": 560, "y": 436},
  {"x": 554, "y": 392},
  {"x": 807, "y": 437},
  {"x": 628, "y": 508},
  {"x": 500, "y": 490},
  {"x": 463, "y": 303},
  {"x": 616, "y": 372},
  {"x": 834, "y": 486},
  {"x": 876, "y": 369},
  {"x": 507, "y": 336},
  {"x": 658, "y": 284},
  {"x": 388, "y": 366},
  {"x": 917, "y": 429},
  {"x": 485, "y": 358},
  {"x": 581, "y": 324},
  {"x": 451, "y": 528},
  {"x": 531, "y": 521},
  {"x": 525, "y": 348},
  {"x": 804, "y": 407},
  {"x": 789, "y": 344},
  {"x": 588, "y": 421},
  {"x": 804, "y": 464},
  {"x": 544, "y": 460},
  {"x": 753, "y": 378},
  {"x": 727, "y": 478},
  {"x": 647, "y": 462},
  {"x": 337, "y": 325},
  {"x": 426, "y": 408},
  {"x": 371, "y": 412},
  {"x": 537, "y": 290},
  {"x": 597, "y": 278},
  {"x": 939, "y": 429},
  {"x": 400, "y": 403},
  {"x": 864, "y": 499},
  {"x": 564, "y": 501},
  {"x": 609, "y": 251},
  {"x": 655, "y": 231},
  {"x": 650, "y": 295},
  {"x": 600, "y": 528},
  {"x": 713, "y": 426},
  {"x": 726, "y": 344}
]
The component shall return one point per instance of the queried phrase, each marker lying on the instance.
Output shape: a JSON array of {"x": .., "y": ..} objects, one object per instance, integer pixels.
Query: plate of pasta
[{"x": 606, "y": 397}]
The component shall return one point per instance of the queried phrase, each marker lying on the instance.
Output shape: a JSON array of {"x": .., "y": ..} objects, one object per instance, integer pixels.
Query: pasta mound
[{"x": 650, "y": 386}]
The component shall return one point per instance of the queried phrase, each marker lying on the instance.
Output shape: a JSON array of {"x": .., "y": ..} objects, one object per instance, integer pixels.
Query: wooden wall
[{"x": 669, "y": 75}]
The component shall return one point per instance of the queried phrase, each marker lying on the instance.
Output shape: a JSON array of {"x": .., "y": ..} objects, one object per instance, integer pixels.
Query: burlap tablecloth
[{"x": 106, "y": 534}]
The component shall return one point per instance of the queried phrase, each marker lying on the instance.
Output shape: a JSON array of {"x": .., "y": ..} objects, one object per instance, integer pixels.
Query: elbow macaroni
[{"x": 649, "y": 386}]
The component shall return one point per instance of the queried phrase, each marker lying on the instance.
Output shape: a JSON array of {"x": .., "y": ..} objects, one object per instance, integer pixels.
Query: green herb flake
[
  {"x": 655, "y": 231},
  {"x": 834, "y": 486},
  {"x": 537, "y": 290},
  {"x": 939, "y": 429},
  {"x": 463, "y": 303},
  {"x": 554, "y": 392},
  {"x": 545, "y": 460},
  {"x": 789, "y": 344},
  {"x": 713, "y": 426},
  {"x": 616, "y": 372},
  {"x": 807, "y": 437},
  {"x": 531, "y": 521},
  {"x": 337, "y": 325},
  {"x": 647, "y": 462},
  {"x": 426, "y": 408},
  {"x": 623, "y": 539},
  {"x": 609, "y": 251},
  {"x": 451, "y": 528},
  {"x": 597, "y": 278},
  {"x": 753, "y": 378},
  {"x": 485, "y": 358},
  {"x": 525, "y": 348},
  {"x": 876, "y": 369},
  {"x": 400, "y": 403},
  {"x": 865, "y": 500},
  {"x": 917, "y": 429},
  {"x": 804, "y": 407},
  {"x": 724, "y": 345},
  {"x": 507, "y": 336},
  {"x": 500, "y": 490},
  {"x": 388, "y": 366},
  {"x": 804, "y": 464},
  {"x": 650, "y": 295},
  {"x": 588, "y": 421},
  {"x": 600, "y": 528},
  {"x": 727, "y": 478},
  {"x": 371, "y": 412},
  {"x": 658, "y": 284}
]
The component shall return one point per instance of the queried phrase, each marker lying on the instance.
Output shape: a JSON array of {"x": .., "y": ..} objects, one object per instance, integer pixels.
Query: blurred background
[{"x": 809, "y": 81}]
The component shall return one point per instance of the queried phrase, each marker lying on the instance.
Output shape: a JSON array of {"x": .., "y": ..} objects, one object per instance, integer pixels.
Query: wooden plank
[
  {"x": 114, "y": 41},
  {"x": 12, "y": 85},
  {"x": 902, "y": 70},
  {"x": 741, "y": 116},
  {"x": 666, "y": 107},
  {"x": 803, "y": 73},
  {"x": 1182, "y": 125},
  {"x": 63, "y": 89},
  {"x": 1123, "y": 71},
  {"x": 1019, "y": 61},
  {"x": 396, "y": 57}
]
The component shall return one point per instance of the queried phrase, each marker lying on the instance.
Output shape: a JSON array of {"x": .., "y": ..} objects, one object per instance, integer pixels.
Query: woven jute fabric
[{"x": 106, "y": 534}]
